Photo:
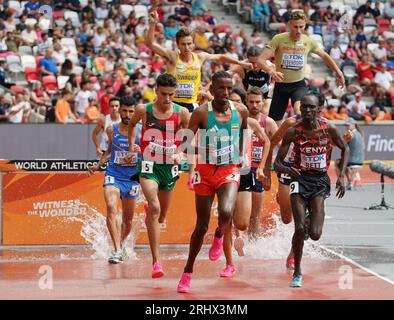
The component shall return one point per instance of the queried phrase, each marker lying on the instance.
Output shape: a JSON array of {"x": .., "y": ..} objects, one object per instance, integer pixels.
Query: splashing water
[
  {"x": 277, "y": 243},
  {"x": 95, "y": 232}
]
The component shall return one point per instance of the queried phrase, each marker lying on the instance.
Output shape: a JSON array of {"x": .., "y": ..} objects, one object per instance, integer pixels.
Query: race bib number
[
  {"x": 233, "y": 176},
  {"x": 317, "y": 162},
  {"x": 134, "y": 190},
  {"x": 120, "y": 158},
  {"x": 147, "y": 166},
  {"x": 196, "y": 178},
  {"x": 184, "y": 90},
  {"x": 257, "y": 153},
  {"x": 109, "y": 180},
  {"x": 292, "y": 61},
  {"x": 175, "y": 171},
  {"x": 294, "y": 187}
]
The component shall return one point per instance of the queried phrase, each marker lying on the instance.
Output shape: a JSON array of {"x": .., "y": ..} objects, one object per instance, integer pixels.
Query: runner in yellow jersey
[
  {"x": 184, "y": 64},
  {"x": 291, "y": 50}
]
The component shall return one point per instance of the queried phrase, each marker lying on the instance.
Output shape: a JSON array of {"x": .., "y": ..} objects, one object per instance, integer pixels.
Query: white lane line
[{"x": 356, "y": 264}]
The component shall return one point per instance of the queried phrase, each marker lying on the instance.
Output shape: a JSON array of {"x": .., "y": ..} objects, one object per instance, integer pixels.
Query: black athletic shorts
[
  {"x": 282, "y": 93},
  {"x": 250, "y": 183},
  {"x": 188, "y": 106},
  {"x": 284, "y": 178},
  {"x": 310, "y": 186}
]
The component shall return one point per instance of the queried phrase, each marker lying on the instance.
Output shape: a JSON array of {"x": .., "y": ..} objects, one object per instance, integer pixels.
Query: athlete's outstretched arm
[
  {"x": 222, "y": 58},
  {"x": 150, "y": 39},
  {"x": 332, "y": 65},
  {"x": 338, "y": 140},
  {"x": 267, "y": 54},
  {"x": 284, "y": 148}
]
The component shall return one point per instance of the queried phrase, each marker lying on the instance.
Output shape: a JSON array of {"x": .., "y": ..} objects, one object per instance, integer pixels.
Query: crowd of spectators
[{"x": 73, "y": 57}]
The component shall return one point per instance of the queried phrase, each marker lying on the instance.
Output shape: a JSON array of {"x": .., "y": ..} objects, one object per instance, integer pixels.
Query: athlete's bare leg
[
  {"x": 150, "y": 189},
  {"x": 241, "y": 220},
  {"x": 284, "y": 203},
  {"x": 255, "y": 221},
  {"x": 164, "y": 199},
  {"x": 112, "y": 196},
  {"x": 299, "y": 206},
  {"x": 128, "y": 207}
]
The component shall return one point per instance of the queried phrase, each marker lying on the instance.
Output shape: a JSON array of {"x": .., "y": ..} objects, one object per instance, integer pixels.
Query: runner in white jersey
[{"x": 103, "y": 123}]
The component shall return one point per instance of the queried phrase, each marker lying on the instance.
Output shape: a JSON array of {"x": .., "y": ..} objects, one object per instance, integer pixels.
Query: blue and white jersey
[{"x": 117, "y": 167}]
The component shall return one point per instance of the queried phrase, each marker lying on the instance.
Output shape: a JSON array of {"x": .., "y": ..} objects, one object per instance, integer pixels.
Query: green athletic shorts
[{"x": 164, "y": 174}]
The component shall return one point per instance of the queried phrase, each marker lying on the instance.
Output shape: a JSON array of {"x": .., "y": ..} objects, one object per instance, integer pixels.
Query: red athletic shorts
[{"x": 209, "y": 177}]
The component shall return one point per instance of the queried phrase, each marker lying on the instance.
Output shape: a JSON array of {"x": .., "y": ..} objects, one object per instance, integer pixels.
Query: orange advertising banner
[{"x": 52, "y": 209}]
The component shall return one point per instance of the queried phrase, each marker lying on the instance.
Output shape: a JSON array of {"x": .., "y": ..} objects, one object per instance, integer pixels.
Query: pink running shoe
[
  {"x": 228, "y": 271},
  {"x": 216, "y": 249},
  {"x": 290, "y": 262},
  {"x": 239, "y": 246},
  {"x": 157, "y": 270},
  {"x": 190, "y": 184},
  {"x": 184, "y": 283}
]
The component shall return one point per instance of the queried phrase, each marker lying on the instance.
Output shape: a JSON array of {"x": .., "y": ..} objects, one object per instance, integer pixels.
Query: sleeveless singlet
[{"x": 257, "y": 146}]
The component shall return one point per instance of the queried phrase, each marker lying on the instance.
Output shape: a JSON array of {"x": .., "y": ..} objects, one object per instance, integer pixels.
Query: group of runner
[{"x": 228, "y": 141}]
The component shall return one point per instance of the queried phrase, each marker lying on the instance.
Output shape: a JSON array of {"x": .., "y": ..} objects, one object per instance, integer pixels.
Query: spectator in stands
[
  {"x": 22, "y": 23},
  {"x": 383, "y": 78},
  {"x": 102, "y": 11},
  {"x": 336, "y": 53},
  {"x": 171, "y": 28},
  {"x": 73, "y": 5},
  {"x": 330, "y": 113},
  {"x": 287, "y": 14},
  {"x": 362, "y": 107},
  {"x": 389, "y": 115},
  {"x": 104, "y": 99},
  {"x": 44, "y": 44},
  {"x": 38, "y": 96},
  {"x": 362, "y": 49},
  {"x": 355, "y": 113},
  {"x": 260, "y": 14},
  {"x": 63, "y": 113},
  {"x": 365, "y": 9},
  {"x": 29, "y": 36},
  {"x": 389, "y": 10},
  {"x": 69, "y": 29},
  {"x": 4, "y": 80},
  {"x": 329, "y": 15},
  {"x": 365, "y": 70},
  {"x": 374, "y": 37},
  {"x": 20, "y": 110},
  {"x": 390, "y": 53},
  {"x": 380, "y": 52},
  {"x": 376, "y": 114},
  {"x": 360, "y": 36},
  {"x": 92, "y": 113},
  {"x": 82, "y": 99},
  {"x": 343, "y": 113},
  {"x": 66, "y": 68},
  {"x": 382, "y": 100},
  {"x": 48, "y": 64},
  {"x": 198, "y": 7},
  {"x": 351, "y": 52},
  {"x": 5, "y": 113}
]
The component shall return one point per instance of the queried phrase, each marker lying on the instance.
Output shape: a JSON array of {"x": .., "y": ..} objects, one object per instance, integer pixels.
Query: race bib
[
  {"x": 184, "y": 90},
  {"x": 175, "y": 171},
  {"x": 233, "y": 176},
  {"x": 119, "y": 159},
  {"x": 283, "y": 177},
  {"x": 257, "y": 153},
  {"x": 134, "y": 190},
  {"x": 196, "y": 177},
  {"x": 147, "y": 166},
  {"x": 294, "y": 187},
  {"x": 317, "y": 162},
  {"x": 292, "y": 61},
  {"x": 109, "y": 180},
  {"x": 159, "y": 149}
]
